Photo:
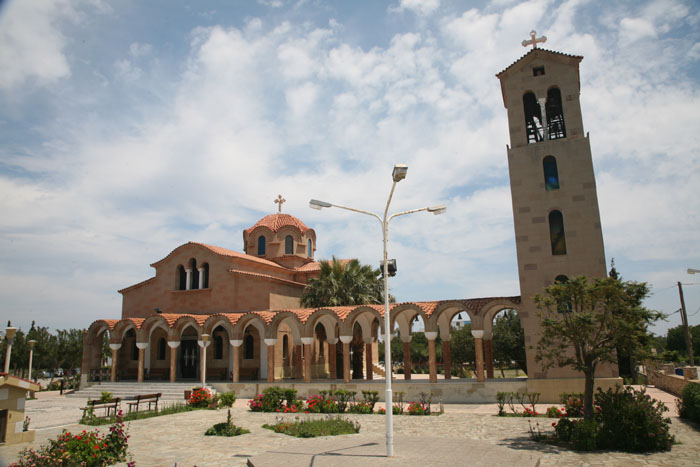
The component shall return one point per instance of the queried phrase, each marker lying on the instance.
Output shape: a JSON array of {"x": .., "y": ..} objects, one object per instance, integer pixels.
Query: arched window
[
  {"x": 551, "y": 175},
  {"x": 261, "y": 245},
  {"x": 555, "y": 115},
  {"x": 161, "y": 348},
  {"x": 285, "y": 345},
  {"x": 181, "y": 278},
  {"x": 533, "y": 118},
  {"x": 249, "y": 350},
  {"x": 194, "y": 277},
  {"x": 288, "y": 245},
  {"x": 556, "y": 233},
  {"x": 218, "y": 348},
  {"x": 205, "y": 272},
  {"x": 309, "y": 250},
  {"x": 561, "y": 279}
]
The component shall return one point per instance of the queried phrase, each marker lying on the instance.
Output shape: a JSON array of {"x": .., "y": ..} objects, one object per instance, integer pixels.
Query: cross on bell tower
[
  {"x": 534, "y": 40},
  {"x": 279, "y": 201}
]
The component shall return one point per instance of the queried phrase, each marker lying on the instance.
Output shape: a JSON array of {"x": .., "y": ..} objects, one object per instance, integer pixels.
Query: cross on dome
[
  {"x": 534, "y": 40},
  {"x": 279, "y": 201}
]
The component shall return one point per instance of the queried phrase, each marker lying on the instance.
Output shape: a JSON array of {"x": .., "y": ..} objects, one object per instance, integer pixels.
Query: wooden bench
[
  {"x": 158, "y": 374},
  {"x": 109, "y": 406},
  {"x": 248, "y": 374},
  {"x": 150, "y": 399}
]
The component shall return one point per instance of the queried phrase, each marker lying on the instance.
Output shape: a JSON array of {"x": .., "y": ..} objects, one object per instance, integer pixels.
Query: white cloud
[
  {"x": 140, "y": 50},
  {"x": 634, "y": 29},
  {"x": 419, "y": 7}
]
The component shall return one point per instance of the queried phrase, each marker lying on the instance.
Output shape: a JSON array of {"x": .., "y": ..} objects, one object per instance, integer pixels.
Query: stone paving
[{"x": 463, "y": 434}]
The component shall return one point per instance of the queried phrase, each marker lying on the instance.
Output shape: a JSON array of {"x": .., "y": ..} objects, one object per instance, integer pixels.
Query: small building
[{"x": 13, "y": 394}]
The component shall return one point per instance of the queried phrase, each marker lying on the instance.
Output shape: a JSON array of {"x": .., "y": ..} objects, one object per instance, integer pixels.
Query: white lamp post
[
  {"x": 10, "y": 336},
  {"x": 398, "y": 174},
  {"x": 31, "y": 343}
]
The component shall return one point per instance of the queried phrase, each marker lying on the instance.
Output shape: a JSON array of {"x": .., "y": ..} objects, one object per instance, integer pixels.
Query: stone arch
[
  {"x": 149, "y": 325},
  {"x": 181, "y": 324},
  {"x": 121, "y": 328},
  {"x": 362, "y": 315},
  {"x": 288, "y": 318},
  {"x": 213, "y": 321},
  {"x": 328, "y": 318},
  {"x": 445, "y": 312},
  {"x": 403, "y": 316},
  {"x": 489, "y": 310}
]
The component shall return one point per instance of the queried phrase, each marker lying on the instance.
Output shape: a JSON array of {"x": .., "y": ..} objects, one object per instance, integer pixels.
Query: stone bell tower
[{"x": 555, "y": 205}]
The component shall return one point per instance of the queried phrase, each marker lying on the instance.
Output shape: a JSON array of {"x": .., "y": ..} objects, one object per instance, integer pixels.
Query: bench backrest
[
  {"x": 149, "y": 396},
  {"x": 114, "y": 400}
]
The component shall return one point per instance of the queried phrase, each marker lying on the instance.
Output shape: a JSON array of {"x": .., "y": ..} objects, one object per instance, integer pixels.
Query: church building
[{"x": 215, "y": 314}]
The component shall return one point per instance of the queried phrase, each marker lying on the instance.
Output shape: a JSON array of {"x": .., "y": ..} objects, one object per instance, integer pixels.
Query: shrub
[
  {"x": 226, "y": 428},
  {"x": 274, "y": 397},
  {"x": 530, "y": 412},
  {"x": 342, "y": 397},
  {"x": 360, "y": 408},
  {"x": 573, "y": 404},
  {"x": 555, "y": 412},
  {"x": 200, "y": 397},
  {"x": 85, "y": 448},
  {"x": 501, "y": 401},
  {"x": 584, "y": 435},
  {"x": 370, "y": 397},
  {"x": 418, "y": 408},
  {"x": 256, "y": 403},
  {"x": 563, "y": 429},
  {"x": 227, "y": 399},
  {"x": 319, "y": 403},
  {"x": 331, "y": 426},
  {"x": 632, "y": 421},
  {"x": 106, "y": 396},
  {"x": 689, "y": 403}
]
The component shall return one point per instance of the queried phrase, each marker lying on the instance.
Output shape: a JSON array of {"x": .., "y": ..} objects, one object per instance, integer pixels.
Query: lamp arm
[{"x": 358, "y": 210}]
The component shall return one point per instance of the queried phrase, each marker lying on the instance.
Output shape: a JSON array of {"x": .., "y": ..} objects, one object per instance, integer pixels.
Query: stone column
[
  {"x": 115, "y": 361},
  {"x": 308, "y": 356},
  {"x": 332, "y": 362},
  {"x": 203, "y": 363},
  {"x": 188, "y": 279},
  {"x": 201, "y": 277},
  {"x": 173, "y": 359},
  {"x": 488, "y": 357},
  {"x": 298, "y": 362},
  {"x": 447, "y": 358},
  {"x": 406, "y": 358},
  {"x": 346, "y": 357},
  {"x": 479, "y": 350},
  {"x": 236, "y": 343},
  {"x": 142, "y": 346},
  {"x": 270, "y": 343},
  {"x": 432, "y": 360},
  {"x": 369, "y": 370}
]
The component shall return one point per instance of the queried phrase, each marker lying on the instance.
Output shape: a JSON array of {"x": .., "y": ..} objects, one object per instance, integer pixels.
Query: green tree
[
  {"x": 70, "y": 348},
  {"x": 344, "y": 283},
  {"x": 598, "y": 318},
  {"x": 462, "y": 345},
  {"x": 509, "y": 341},
  {"x": 675, "y": 340}
]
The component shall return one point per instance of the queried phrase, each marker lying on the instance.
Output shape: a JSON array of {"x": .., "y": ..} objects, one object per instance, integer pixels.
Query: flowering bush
[
  {"x": 321, "y": 404},
  {"x": 363, "y": 407},
  {"x": 573, "y": 404},
  {"x": 256, "y": 403},
  {"x": 200, "y": 397},
  {"x": 398, "y": 410},
  {"x": 555, "y": 412},
  {"x": 418, "y": 408},
  {"x": 84, "y": 448},
  {"x": 530, "y": 412},
  {"x": 291, "y": 408}
]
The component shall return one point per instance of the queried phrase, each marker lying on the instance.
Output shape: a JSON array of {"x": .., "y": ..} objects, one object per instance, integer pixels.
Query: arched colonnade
[{"x": 271, "y": 345}]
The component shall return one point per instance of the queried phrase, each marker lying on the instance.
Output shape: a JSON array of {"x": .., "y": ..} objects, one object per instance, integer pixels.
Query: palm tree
[{"x": 343, "y": 283}]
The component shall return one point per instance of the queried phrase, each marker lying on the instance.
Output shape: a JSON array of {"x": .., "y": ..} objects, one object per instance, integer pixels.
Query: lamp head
[
  {"x": 440, "y": 209},
  {"x": 399, "y": 173},
  {"x": 205, "y": 338},
  {"x": 10, "y": 333},
  {"x": 316, "y": 204},
  {"x": 31, "y": 343},
  {"x": 693, "y": 271}
]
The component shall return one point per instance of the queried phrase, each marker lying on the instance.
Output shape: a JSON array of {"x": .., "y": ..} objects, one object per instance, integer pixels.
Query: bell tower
[{"x": 555, "y": 205}]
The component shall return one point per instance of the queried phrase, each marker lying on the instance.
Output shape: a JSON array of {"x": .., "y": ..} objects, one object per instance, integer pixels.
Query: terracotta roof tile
[
  {"x": 266, "y": 276},
  {"x": 224, "y": 252},
  {"x": 275, "y": 222}
]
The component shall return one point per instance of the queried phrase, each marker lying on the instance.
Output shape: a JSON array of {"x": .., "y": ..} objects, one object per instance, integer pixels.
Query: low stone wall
[{"x": 451, "y": 392}]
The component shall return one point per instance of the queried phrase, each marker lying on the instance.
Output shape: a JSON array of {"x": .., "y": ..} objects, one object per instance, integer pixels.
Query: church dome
[{"x": 275, "y": 222}]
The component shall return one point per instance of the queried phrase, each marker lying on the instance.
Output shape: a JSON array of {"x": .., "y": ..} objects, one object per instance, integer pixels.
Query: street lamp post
[
  {"x": 398, "y": 174},
  {"x": 204, "y": 344},
  {"x": 31, "y": 343},
  {"x": 10, "y": 336}
]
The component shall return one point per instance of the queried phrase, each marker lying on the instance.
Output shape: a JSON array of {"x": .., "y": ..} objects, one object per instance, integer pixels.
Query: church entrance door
[{"x": 189, "y": 358}]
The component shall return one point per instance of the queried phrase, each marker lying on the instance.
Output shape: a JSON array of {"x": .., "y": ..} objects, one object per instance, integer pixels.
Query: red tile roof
[
  {"x": 275, "y": 222},
  {"x": 266, "y": 276}
]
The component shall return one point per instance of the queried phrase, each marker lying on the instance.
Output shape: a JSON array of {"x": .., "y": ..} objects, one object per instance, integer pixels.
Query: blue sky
[{"x": 131, "y": 127}]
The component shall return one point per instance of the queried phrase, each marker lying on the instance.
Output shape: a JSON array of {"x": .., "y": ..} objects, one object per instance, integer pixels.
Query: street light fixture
[
  {"x": 10, "y": 336},
  {"x": 398, "y": 174},
  {"x": 693, "y": 271},
  {"x": 31, "y": 343}
]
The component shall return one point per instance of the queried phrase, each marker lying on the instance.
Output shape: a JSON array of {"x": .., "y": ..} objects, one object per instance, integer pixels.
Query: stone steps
[{"x": 169, "y": 391}]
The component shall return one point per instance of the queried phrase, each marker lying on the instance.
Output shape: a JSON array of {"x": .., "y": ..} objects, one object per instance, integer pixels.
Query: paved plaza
[{"x": 464, "y": 434}]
